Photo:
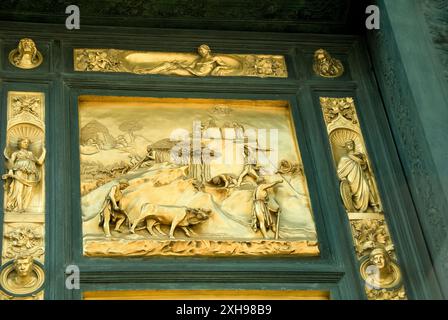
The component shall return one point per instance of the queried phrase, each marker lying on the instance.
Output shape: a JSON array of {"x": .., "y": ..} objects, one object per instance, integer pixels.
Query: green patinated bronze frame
[{"x": 334, "y": 271}]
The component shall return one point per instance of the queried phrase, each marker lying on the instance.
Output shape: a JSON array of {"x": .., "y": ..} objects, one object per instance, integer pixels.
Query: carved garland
[
  {"x": 22, "y": 274},
  {"x": 361, "y": 199}
]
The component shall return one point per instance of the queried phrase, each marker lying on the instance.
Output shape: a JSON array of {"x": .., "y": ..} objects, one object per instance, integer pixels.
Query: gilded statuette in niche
[
  {"x": 25, "y": 153},
  {"x": 26, "y": 55},
  {"x": 23, "y": 175},
  {"x": 369, "y": 234},
  {"x": 327, "y": 66},
  {"x": 201, "y": 64},
  {"x": 357, "y": 185},
  {"x": 358, "y": 188}
]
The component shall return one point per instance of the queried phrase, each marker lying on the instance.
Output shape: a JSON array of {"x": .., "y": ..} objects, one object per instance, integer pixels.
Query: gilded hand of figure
[
  {"x": 10, "y": 174},
  {"x": 7, "y": 156},
  {"x": 42, "y": 156}
]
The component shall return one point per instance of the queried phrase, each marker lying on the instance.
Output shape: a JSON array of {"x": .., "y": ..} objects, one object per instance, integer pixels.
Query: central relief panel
[{"x": 192, "y": 177}]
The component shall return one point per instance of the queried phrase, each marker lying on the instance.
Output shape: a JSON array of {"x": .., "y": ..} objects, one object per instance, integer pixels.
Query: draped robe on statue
[
  {"x": 350, "y": 167},
  {"x": 26, "y": 176}
]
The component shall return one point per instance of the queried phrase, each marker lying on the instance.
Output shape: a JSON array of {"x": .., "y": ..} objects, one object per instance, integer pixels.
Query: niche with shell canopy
[
  {"x": 358, "y": 188},
  {"x": 338, "y": 138},
  {"x": 25, "y": 153}
]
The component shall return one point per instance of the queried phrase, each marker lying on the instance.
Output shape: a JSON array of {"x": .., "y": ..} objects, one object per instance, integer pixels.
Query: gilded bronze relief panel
[
  {"x": 186, "y": 177},
  {"x": 200, "y": 64}
]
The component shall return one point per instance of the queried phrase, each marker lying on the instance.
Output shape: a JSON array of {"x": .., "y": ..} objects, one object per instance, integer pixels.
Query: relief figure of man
[
  {"x": 206, "y": 64},
  {"x": 112, "y": 211},
  {"x": 262, "y": 208}
]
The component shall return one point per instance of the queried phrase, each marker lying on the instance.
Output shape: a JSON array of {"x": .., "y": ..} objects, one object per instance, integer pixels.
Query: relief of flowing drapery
[
  {"x": 25, "y": 176},
  {"x": 350, "y": 169}
]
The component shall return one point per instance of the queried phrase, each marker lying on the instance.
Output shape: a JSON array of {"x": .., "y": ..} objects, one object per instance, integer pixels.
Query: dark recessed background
[{"x": 310, "y": 16}]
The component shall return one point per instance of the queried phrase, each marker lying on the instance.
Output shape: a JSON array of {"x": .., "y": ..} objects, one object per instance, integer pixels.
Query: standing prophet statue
[
  {"x": 23, "y": 175},
  {"x": 357, "y": 188}
]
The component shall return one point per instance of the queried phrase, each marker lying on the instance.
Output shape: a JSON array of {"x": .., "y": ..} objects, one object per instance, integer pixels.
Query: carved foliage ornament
[
  {"x": 369, "y": 234},
  {"x": 23, "y": 239},
  {"x": 384, "y": 294},
  {"x": 26, "y": 104},
  {"x": 26, "y": 55},
  {"x": 203, "y": 63},
  {"x": 334, "y": 108},
  {"x": 326, "y": 66}
]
